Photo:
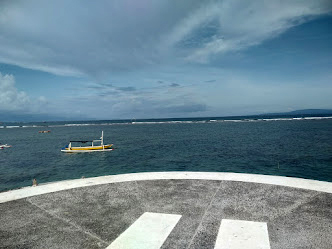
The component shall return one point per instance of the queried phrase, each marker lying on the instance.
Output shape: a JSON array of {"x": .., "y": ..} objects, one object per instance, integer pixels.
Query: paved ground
[{"x": 95, "y": 216}]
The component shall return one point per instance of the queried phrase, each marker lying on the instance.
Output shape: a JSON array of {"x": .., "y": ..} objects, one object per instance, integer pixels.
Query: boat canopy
[{"x": 80, "y": 141}]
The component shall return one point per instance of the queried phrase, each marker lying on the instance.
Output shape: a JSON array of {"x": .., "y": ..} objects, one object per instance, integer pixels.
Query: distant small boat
[
  {"x": 2, "y": 146},
  {"x": 44, "y": 131},
  {"x": 92, "y": 148}
]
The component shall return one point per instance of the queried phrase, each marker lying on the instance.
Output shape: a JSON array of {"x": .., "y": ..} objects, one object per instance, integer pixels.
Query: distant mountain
[{"x": 303, "y": 112}]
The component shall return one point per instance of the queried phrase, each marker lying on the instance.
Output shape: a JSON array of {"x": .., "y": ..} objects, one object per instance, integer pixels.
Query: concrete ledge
[{"x": 78, "y": 183}]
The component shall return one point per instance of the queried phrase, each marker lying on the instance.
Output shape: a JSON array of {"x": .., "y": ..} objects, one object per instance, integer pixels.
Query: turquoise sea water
[{"x": 286, "y": 147}]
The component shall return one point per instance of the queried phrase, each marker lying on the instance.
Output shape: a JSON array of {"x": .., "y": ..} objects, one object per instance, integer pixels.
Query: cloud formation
[
  {"x": 241, "y": 24},
  {"x": 11, "y": 99},
  {"x": 98, "y": 38},
  {"x": 126, "y": 102}
]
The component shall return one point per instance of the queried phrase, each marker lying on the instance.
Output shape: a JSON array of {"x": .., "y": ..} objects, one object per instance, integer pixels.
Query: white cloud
[
  {"x": 246, "y": 23},
  {"x": 126, "y": 102},
  {"x": 11, "y": 99},
  {"x": 96, "y": 38}
]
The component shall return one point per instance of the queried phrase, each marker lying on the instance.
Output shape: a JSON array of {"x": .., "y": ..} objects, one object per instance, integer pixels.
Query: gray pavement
[{"x": 94, "y": 216}]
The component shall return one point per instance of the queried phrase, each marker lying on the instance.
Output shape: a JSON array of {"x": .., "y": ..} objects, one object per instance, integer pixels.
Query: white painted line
[
  {"x": 148, "y": 232},
  {"x": 78, "y": 183},
  {"x": 240, "y": 234}
]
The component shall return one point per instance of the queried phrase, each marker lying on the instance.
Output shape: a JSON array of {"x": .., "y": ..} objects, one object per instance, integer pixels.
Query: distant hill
[{"x": 303, "y": 112}]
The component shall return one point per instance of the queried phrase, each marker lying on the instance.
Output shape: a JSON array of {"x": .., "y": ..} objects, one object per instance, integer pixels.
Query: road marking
[
  {"x": 148, "y": 232},
  {"x": 239, "y": 234}
]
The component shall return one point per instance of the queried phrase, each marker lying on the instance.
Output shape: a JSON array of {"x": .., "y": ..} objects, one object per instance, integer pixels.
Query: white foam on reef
[
  {"x": 79, "y": 124},
  {"x": 310, "y": 118},
  {"x": 233, "y": 120},
  {"x": 31, "y": 126},
  {"x": 169, "y": 122}
]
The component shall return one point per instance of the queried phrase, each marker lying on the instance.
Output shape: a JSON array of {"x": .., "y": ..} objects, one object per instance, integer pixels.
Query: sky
[{"x": 124, "y": 59}]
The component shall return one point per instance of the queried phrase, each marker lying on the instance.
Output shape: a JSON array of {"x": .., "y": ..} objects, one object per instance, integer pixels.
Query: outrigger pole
[{"x": 101, "y": 140}]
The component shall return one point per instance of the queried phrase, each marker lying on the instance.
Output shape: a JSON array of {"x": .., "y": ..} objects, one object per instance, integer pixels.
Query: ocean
[{"x": 285, "y": 146}]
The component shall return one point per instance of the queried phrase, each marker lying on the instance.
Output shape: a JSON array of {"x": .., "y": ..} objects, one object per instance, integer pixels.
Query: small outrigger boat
[
  {"x": 2, "y": 146},
  {"x": 92, "y": 148},
  {"x": 44, "y": 131}
]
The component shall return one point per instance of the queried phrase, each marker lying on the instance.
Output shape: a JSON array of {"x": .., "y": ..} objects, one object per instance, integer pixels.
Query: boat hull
[
  {"x": 4, "y": 146},
  {"x": 88, "y": 149},
  {"x": 83, "y": 151}
]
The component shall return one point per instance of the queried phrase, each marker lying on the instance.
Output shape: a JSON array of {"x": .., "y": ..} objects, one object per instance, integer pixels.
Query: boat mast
[{"x": 102, "y": 138}]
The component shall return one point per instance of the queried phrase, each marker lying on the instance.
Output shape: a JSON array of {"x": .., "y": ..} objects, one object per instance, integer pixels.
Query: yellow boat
[{"x": 92, "y": 148}]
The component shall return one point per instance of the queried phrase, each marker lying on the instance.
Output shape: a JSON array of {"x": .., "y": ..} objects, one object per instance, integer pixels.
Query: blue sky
[{"x": 157, "y": 58}]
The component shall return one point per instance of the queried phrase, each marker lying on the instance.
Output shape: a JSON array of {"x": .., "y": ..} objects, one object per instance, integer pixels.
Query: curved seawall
[{"x": 78, "y": 183}]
